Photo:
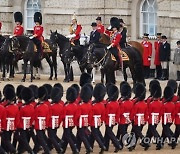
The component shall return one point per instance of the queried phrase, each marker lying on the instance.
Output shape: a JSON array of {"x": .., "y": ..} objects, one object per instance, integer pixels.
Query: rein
[{"x": 101, "y": 59}]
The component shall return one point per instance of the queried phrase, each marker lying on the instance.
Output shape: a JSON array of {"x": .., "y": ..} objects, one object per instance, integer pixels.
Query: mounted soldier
[
  {"x": 123, "y": 31},
  {"x": 100, "y": 26}
]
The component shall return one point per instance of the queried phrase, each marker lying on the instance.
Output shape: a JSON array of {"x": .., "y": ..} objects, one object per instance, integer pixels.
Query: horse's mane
[{"x": 62, "y": 37}]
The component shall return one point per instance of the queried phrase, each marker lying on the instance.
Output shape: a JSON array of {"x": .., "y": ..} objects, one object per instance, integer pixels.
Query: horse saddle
[
  {"x": 45, "y": 46},
  {"x": 121, "y": 54}
]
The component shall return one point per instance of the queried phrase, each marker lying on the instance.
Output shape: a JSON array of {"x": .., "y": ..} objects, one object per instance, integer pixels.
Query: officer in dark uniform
[
  {"x": 123, "y": 31},
  {"x": 94, "y": 35}
]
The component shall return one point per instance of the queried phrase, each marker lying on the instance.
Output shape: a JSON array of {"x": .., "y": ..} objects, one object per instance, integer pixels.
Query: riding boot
[
  {"x": 163, "y": 75},
  {"x": 166, "y": 74}
]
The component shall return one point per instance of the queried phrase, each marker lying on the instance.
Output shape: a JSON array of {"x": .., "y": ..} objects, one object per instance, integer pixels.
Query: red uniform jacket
[
  {"x": 156, "y": 59},
  {"x": 38, "y": 30},
  {"x": 154, "y": 112},
  {"x": 139, "y": 109},
  {"x": 77, "y": 32},
  {"x": 168, "y": 112},
  {"x": 100, "y": 28},
  {"x": 19, "y": 103},
  {"x": 56, "y": 115},
  {"x": 83, "y": 114},
  {"x": 175, "y": 99},
  {"x": 78, "y": 100},
  {"x": 125, "y": 108},
  {"x": 108, "y": 32},
  {"x": 177, "y": 113},
  {"x": 12, "y": 119},
  {"x": 69, "y": 115},
  {"x": 41, "y": 116},
  {"x": 18, "y": 30},
  {"x": 47, "y": 103},
  {"x": 147, "y": 52},
  {"x": 115, "y": 39},
  {"x": 98, "y": 109},
  {"x": 4, "y": 103},
  {"x": 26, "y": 116},
  {"x": 2, "y": 117}
]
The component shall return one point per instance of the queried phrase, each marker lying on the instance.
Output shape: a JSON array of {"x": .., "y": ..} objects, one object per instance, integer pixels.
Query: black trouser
[
  {"x": 2, "y": 151},
  {"x": 16, "y": 138},
  {"x": 76, "y": 42},
  {"x": 177, "y": 132},
  {"x": 167, "y": 132},
  {"x": 138, "y": 133},
  {"x": 6, "y": 142},
  {"x": 68, "y": 137},
  {"x": 109, "y": 135},
  {"x": 37, "y": 42},
  {"x": 123, "y": 45},
  {"x": 146, "y": 71},
  {"x": 82, "y": 137},
  {"x": 52, "y": 134},
  {"x": 115, "y": 53},
  {"x": 96, "y": 135},
  {"x": 158, "y": 71}
]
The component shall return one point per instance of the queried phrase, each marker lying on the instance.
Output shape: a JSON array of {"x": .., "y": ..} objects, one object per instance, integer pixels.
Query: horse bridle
[{"x": 12, "y": 44}]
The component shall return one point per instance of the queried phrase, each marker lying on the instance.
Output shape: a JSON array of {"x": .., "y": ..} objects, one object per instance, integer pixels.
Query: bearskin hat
[
  {"x": 168, "y": 93},
  {"x": 9, "y": 94},
  {"x": 71, "y": 94},
  {"x": 140, "y": 91},
  {"x": 34, "y": 89},
  {"x": 48, "y": 88},
  {"x": 89, "y": 85},
  {"x": 126, "y": 91},
  {"x": 8, "y": 86},
  {"x": 38, "y": 17},
  {"x": 122, "y": 84},
  {"x": 113, "y": 93},
  {"x": 18, "y": 17},
  {"x": 86, "y": 93},
  {"x": 18, "y": 91},
  {"x": 42, "y": 93},
  {"x": 108, "y": 85},
  {"x": 76, "y": 86},
  {"x": 173, "y": 84},
  {"x": 58, "y": 85},
  {"x": 85, "y": 78},
  {"x": 99, "y": 92},
  {"x": 27, "y": 94},
  {"x": 56, "y": 94},
  {"x": 114, "y": 21},
  {"x": 156, "y": 91},
  {"x": 153, "y": 82}
]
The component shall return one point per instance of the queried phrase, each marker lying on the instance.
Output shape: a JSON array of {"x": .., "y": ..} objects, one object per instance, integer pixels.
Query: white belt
[
  {"x": 54, "y": 121},
  {"x": 9, "y": 122},
  {"x": 165, "y": 119},
  {"x": 178, "y": 114},
  {"x": 111, "y": 118},
  {"x": 80, "y": 120},
  {"x": 96, "y": 120},
  {"x": 126, "y": 115},
  {"x": 139, "y": 118},
  {"x": 67, "y": 120},
  {"x": 25, "y": 119},
  {"x": 40, "y": 122},
  {"x": 153, "y": 116}
]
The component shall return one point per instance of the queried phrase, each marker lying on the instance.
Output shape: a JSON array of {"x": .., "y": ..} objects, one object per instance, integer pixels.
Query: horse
[
  {"x": 103, "y": 57},
  {"x": 24, "y": 47},
  {"x": 64, "y": 53}
]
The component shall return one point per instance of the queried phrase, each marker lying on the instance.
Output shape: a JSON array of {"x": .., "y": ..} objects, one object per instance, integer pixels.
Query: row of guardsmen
[{"x": 23, "y": 118}]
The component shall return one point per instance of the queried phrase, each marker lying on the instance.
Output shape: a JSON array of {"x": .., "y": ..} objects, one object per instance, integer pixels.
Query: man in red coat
[
  {"x": 100, "y": 26},
  {"x": 146, "y": 55},
  {"x": 157, "y": 62}
]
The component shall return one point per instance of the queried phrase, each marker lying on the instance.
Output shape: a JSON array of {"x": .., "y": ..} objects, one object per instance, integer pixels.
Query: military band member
[
  {"x": 164, "y": 55},
  {"x": 100, "y": 26},
  {"x": 123, "y": 31},
  {"x": 146, "y": 55},
  {"x": 176, "y": 60},
  {"x": 157, "y": 62}
]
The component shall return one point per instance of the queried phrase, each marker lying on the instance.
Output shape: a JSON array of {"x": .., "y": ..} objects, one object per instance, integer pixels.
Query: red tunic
[
  {"x": 156, "y": 59},
  {"x": 56, "y": 115},
  {"x": 2, "y": 117},
  {"x": 78, "y": 100},
  {"x": 18, "y": 30},
  {"x": 77, "y": 32},
  {"x": 125, "y": 109},
  {"x": 41, "y": 116},
  {"x": 47, "y": 103},
  {"x": 115, "y": 39},
  {"x": 177, "y": 113},
  {"x": 38, "y": 30},
  {"x": 147, "y": 52},
  {"x": 175, "y": 99},
  {"x": 26, "y": 116},
  {"x": 100, "y": 28},
  {"x": 12, "y": 118},
  {"x": 19, "y": 103}
]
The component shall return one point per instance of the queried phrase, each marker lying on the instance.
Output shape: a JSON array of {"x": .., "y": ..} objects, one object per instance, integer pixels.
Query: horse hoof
[
  {"x": 23, "y": 80},
  {"x": 66, "y": 80},
  {"x": 50, "y": 78},
  {"x": 38, "y": 78},
  {"x": 55, "y": 78},
  {"x": 31, "y": 80},
  {"x": 34, "y": 78}
]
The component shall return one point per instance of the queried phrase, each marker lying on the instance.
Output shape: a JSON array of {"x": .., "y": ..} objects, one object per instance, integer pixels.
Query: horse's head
[
  {"x": 105, "y": 39},
  {"x": 54, "y": 37},
  {"x": 15, "y": 43}
]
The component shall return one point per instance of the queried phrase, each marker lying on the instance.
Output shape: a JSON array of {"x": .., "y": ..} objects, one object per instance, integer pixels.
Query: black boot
[
  {"x": 163, "y": 75},
  {"x": 178, "y": 76}
]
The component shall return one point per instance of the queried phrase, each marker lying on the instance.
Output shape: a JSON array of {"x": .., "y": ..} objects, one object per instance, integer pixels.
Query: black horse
[
  {"x": 64, "y": 53},
  {"x": 24, "y": 48}
]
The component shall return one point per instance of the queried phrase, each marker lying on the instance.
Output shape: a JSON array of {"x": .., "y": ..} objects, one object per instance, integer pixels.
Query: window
[
  {"x": 31, "y": 6},
  {"x": 148, "y": 17}
]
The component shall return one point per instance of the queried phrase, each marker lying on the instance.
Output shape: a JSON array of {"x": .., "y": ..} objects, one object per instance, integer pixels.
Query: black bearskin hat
[
  {"x": 18, "y": 91},
  {"x": 42, "y": 93},
  {"x": 56, "y": 94},
  {"x": 140, "y": 91},
  {"x": 153, "y": 82},
  {"x": 27, "y": 94},
  {"x": 8, "y": 86},
  {"x": 113, "y": 93},
  {"x": 156, "y": 91},
  {"x": 168, "y": 93},
  {"x": 48, "y": 88},
  {"x": 99, "y": 92},
  {"x": 76, "y": 87},
  {"x": 126, "y": 91},
  {"x": 38, "y": 17},
  {"x": 86, "y": 93},
  {"x": 89, "y": 85},
  {"x": 58, "y": 85},
  {"x": 71, "y": 94},
  {"x": 173, "y": 84},
  {"x": 85, "y": 78},
  {"x": 108, "y": 85},
  {"x": 122, "y": 84},
  {"x": 18, "y": 17},
  {"x": 34, "y": 89},
  {"x": 114, "y": 21},
  {"x": 9, "y": 94}
]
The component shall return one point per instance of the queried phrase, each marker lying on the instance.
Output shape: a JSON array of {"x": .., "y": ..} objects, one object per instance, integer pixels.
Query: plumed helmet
[
  {"x": 18, "y": 17},
  {"x": 27, "y": 94},
  {"x": 38, "y": 17}
]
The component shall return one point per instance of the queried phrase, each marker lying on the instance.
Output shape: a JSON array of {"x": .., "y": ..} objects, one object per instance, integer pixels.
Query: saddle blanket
[
  {"x": 123, "y": 55},
  {"x": 45, "y": 46}
]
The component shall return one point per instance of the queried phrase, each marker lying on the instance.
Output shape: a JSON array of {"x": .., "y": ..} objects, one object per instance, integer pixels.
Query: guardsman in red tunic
[
  {"x": 70, "y": 109},
  {"x": 12, "y": 120},
  {"x": 56, "y": 115},
  {"x": 18, "y": 95},
  {"x": 111, "y": 117},
  {"x": 37, "y": 37},
  {"x": 97, "y": 116},
  {"x": 26, "y": 118},
  {"x": 100, "y": 26},
  {"x": 157, "y": 62},
  {"x": 146, "y": 55},
  {"x": 75, "y": 31},
  {"x": 82, "y": 118},
  {"x": 41, "y": 119}
]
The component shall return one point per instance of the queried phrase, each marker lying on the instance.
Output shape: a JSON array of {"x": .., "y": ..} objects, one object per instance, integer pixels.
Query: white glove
[
  {"x": 109, "y": 47},
  {"x": 71, "y": 36},
  {"x": 109, "y": 28},
  {"x": 11, "y": 36},
  {"x": 31, "y": 37},
  {"x": 149, "y": 58}
]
